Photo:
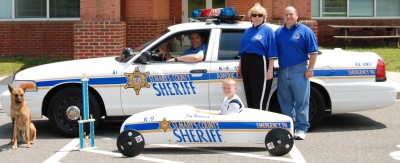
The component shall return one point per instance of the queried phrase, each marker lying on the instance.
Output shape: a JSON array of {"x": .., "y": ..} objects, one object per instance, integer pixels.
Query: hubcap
[{"x": 73, "y": 112}]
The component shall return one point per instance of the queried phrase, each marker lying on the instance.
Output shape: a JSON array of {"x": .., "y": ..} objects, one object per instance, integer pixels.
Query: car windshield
[{"x": 145, "y": 44}]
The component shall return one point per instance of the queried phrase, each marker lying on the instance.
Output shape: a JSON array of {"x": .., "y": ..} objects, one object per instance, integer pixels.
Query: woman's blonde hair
[{"x": 258, "y": 9}]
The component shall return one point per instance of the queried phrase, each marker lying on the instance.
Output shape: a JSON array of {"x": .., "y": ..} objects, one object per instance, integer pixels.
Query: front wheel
[{"x": 66, "y": 108}]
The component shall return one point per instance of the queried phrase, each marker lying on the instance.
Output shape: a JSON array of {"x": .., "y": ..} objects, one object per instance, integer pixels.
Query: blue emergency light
[
  {"x": 228, "y": 12},
  {"x": 196, "y": 13}
]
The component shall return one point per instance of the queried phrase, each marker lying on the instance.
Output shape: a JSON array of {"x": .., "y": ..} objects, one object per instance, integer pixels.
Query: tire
[
  {"x": 316, "y": 107},
  {"x": 130, "y": 143},
  {"x": 64, "y": 99},
  {"x": 279, "y": 141}
]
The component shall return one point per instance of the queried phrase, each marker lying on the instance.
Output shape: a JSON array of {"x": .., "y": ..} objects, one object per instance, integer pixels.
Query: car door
[
  {"x": 224, "y": 65},
  {"x": 160, "y": 84}
]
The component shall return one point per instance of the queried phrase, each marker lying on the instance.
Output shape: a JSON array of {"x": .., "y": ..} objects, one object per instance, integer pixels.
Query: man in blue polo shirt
[
  {"x": 297, "y": 44},
  {"x": 194, "y": 54}
]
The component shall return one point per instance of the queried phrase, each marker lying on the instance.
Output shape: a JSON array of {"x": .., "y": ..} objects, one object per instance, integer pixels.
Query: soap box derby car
[
  {"x": 185, "y": 124},
  {"x": 344, "y": 81}
]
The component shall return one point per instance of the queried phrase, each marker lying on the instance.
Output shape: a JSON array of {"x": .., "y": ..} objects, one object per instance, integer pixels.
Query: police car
[{"x": 344, "y": 81}]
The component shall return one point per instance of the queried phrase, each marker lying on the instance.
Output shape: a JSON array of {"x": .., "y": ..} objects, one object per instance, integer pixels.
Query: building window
[
  {"x": 355, "y": 8},
  {"x": 5, "y": 9},
  {"x": 387, "y": 8},
  {"x": 24, "y": 9},
  {"x": 361, "y": 8},
  {"x": 39, "y": 9},
  {"x": 64, "y": 8}
]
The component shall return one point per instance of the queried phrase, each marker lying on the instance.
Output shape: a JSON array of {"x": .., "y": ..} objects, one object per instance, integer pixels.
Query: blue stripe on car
[{"x": 203, "y": 77}]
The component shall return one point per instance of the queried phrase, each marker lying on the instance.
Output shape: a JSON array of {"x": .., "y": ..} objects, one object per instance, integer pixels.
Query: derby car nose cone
[{"x": 73, "y": 112}]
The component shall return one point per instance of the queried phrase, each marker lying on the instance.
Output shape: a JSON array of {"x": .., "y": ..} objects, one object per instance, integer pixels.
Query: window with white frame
[
  {"x": 39, "y": 9},
  {"x": 355, "y": 8}
]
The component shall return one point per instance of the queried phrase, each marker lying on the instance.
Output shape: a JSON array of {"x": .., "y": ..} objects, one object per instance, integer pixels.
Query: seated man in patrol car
[{"x": 194, "y": 54}]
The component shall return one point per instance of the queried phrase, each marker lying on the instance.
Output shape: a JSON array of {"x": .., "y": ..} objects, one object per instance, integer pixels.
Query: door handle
[{"x": 198, "y": 71}]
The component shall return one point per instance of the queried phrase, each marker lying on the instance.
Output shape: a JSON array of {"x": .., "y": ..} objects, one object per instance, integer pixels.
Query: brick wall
[
  {"x": 175, "y": 8},
  {"x": 100, "y": 33},
  {"x": 99, "y": 39},
  {"x": 144, "y": 19},
  {"x": 37, "y": 39},
  {"x": 100, "y": 10},
  {"x": 139, "y": 31}
]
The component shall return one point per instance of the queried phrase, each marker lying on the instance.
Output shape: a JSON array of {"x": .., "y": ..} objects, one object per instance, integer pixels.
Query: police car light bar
[{"x": 220, "y": 14}]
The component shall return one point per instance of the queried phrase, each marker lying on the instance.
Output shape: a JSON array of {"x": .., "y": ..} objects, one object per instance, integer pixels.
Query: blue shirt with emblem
[
  {"x": 259, "y": 40},
  {"x": 295, "y": 44},
  {"x": 201, "y": 50}
]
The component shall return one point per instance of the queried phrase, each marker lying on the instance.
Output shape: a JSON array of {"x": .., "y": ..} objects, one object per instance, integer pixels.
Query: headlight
[{"x": 28, "y": 84}]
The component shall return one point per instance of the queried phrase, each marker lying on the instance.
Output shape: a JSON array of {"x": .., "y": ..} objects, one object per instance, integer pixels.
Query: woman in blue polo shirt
[{"x": 257, "y": 54}]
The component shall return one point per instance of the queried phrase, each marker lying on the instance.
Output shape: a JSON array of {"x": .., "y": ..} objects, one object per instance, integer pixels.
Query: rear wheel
[
  {"x": 66, "y": 108},
  {"x": 279, "y": 141},
  {"x": 316, "y": 106},
  {"x": 130, "y": 143}
]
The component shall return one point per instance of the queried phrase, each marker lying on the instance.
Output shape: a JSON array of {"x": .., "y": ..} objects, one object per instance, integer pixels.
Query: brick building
[{"x": 96, "y": 28}]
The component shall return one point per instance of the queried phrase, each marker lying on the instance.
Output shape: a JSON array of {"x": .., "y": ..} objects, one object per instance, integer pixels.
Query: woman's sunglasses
[{"x": 255, "y": 15}]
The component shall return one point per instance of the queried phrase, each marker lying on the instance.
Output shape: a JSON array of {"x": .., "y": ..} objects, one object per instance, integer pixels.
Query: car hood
[{"x": 95, "y": 67}]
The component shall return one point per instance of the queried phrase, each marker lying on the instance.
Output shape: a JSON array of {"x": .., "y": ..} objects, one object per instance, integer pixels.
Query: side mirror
[{"x": 127, "y": 52}]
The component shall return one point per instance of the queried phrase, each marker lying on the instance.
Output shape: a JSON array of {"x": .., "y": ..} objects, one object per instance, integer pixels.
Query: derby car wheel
[
  {"x": 316, "y": 106},
  {"x": 279, "y": 141},
  {"x": 130, "y": 143},
  {"x": 65, "y": 109}
]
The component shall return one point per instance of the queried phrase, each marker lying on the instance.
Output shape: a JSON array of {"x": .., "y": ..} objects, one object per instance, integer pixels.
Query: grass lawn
[{"x": 11, "y": 65}]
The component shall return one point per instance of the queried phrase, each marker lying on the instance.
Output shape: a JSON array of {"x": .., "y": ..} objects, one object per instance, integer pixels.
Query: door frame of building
[{"x": 185, "y": 12}]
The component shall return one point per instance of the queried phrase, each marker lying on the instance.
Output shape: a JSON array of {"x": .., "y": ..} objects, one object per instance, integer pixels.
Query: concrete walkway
[{"x": 395, "y": 78}]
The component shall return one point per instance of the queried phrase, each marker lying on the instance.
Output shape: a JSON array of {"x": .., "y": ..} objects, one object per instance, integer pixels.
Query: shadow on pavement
[{"x": 347, "y": 122}]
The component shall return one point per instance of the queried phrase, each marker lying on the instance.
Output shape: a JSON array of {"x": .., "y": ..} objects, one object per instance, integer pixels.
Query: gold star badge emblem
[
  {"x": 136, "y": 80},
  {"x": 164, "y": 125}
]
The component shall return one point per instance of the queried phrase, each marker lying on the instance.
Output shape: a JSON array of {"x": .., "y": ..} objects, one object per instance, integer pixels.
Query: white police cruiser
[{"x": 343, "y": 81}]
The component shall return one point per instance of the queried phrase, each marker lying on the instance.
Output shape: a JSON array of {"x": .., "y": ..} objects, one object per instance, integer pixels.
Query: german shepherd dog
[{"x": 21, "y": 118}]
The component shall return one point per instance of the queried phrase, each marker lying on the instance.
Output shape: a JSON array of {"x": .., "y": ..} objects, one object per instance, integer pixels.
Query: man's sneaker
[{"x": 299, "y": 135}]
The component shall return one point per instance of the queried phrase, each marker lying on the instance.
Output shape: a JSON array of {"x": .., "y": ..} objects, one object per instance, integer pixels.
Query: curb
[{"x": 4, "y": 80}]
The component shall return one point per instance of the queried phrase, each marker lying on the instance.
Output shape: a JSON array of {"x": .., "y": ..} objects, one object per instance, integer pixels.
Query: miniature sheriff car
[
  {"x": 344, "y": 81},
  {"x": 185, "y": 124}
]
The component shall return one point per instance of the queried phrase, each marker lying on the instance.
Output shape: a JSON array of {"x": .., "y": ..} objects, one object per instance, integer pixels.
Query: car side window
[
  {"x": 229, "y": 44},
  {"x": 178, "y": 43}
]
